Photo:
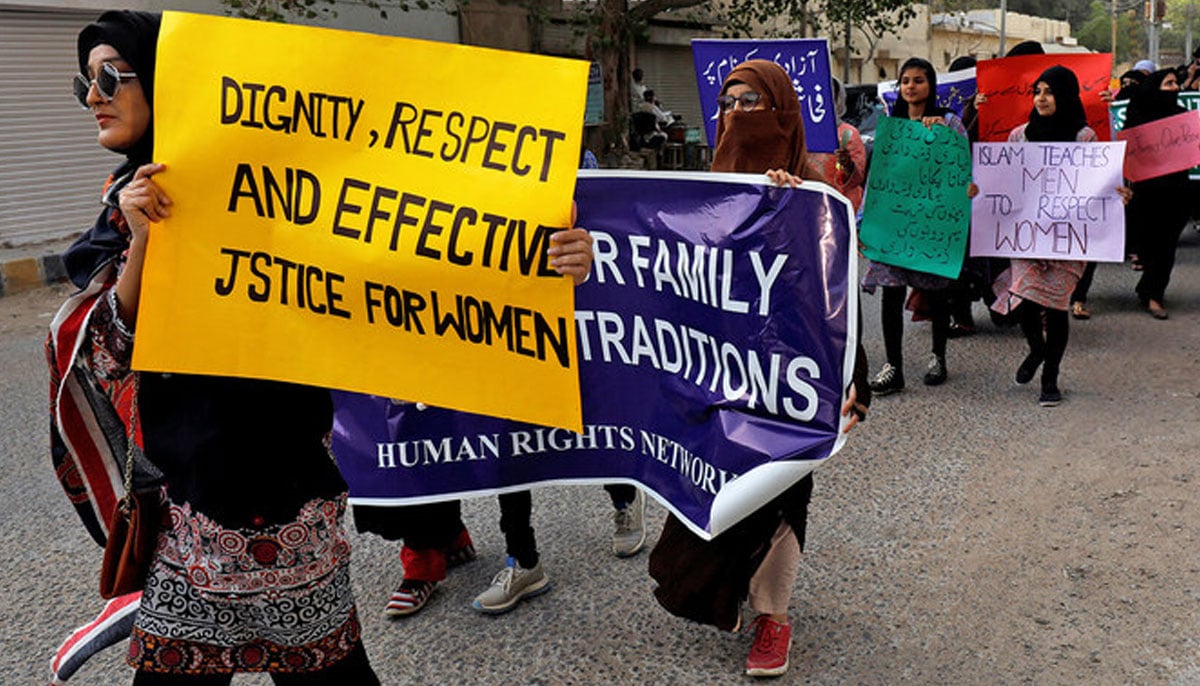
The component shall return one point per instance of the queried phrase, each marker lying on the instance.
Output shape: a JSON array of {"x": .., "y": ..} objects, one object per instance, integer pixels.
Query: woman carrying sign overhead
[
  {"x": 760, "y": 131},
  {"x": 1039, "y": 291},
  {"x": 251, "y": 571},
  {"x": 917, "y": 102},
  {"x": 1158, "y": 211}
]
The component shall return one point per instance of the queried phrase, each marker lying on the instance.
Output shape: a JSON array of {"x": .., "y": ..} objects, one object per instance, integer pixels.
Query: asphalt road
[{"x": 965, "y": 535}]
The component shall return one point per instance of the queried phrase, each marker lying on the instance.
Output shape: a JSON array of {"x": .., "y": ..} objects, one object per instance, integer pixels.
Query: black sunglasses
[
  {"x": 749, "y": 101},
  {"x": 107, "y": 82}
]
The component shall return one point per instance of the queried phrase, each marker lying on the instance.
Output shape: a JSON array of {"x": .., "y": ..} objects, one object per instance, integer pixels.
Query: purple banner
[
  {"x": 716, "y": 338},
  {"x": 806, "y": 61}
]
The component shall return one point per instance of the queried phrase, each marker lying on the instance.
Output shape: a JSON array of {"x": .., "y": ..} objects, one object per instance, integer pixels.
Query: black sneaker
[
  {"x": 889, "y": 380},
  {"x": 935, "y": 374},
  {"x": 1050, "y": 397},
  {"x": 1028, "y": 368}
]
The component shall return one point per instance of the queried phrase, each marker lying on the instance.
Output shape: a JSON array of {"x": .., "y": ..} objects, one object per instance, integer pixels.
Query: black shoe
[
  {"x": 1028, "y": 368},
  {"x": 1050, "y": 397},
  {"x": 957, "y": 330},
  {"x": 889, "y": 380},
  {"x": 936, "y": 372}
]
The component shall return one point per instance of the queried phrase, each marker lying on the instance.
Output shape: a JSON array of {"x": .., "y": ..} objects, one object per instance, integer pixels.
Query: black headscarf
[
  {"x": 1029, "y": 47},
  {"x": 134, "y": 35},
  {"x": 1136, "y": 77},
  {"x": 1068, "y": 117},
  {"x": 1150, "y": 103},
  {"x": 900, "y": 109},
  {"x": 962, "y": 62}
]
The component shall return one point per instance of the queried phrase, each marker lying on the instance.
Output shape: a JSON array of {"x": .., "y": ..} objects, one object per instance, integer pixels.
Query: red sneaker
[{"x": 769, "y": 654}]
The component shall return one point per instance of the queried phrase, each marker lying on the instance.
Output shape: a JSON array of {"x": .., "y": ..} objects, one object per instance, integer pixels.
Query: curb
[{"x": 28, "y": 273}]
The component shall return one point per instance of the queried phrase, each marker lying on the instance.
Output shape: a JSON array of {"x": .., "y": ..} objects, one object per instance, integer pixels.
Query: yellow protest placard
[{"x": 365, "y": 213}]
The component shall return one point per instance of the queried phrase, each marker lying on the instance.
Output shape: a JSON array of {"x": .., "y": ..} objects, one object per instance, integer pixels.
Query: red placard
[{"x": 1008, "y": 84}]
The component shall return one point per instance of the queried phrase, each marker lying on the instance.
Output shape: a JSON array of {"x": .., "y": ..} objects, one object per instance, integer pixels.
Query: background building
[{"x": 51, "y": 168}]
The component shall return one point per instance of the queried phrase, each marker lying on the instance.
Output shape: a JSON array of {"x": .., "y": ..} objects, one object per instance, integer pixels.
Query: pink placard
[{"x": 1162, "y": 147}]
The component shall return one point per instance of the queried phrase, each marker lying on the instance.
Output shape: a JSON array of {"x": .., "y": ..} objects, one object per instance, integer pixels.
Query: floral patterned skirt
[
  {"x": 270, "y": 599},
  {"x": 1048, "y": 283}
]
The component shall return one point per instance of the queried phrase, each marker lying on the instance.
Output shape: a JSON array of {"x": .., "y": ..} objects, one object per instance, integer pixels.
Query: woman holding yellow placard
[{"x": 251, "y": 569}]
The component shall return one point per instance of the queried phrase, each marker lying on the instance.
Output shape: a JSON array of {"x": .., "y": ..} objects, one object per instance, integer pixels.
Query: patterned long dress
[{"x": 252, "y": 569}]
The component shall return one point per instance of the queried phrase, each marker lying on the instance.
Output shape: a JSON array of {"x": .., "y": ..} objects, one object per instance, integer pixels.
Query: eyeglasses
[
  {"x": 749, "y": 101},
  {"x": 107, "y": 82}
]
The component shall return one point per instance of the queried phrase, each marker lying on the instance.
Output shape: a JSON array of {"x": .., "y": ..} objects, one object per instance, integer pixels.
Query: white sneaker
[
  {"x": 630, "y": 534},
  {"x": 509, "y": 586}
]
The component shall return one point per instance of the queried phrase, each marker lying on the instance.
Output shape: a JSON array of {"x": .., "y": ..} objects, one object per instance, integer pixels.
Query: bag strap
[{"x": 131, "y": 440}]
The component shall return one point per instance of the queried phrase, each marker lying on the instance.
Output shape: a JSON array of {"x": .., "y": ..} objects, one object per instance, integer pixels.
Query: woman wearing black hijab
[
  {"x": 251, "y": 570},
  {"x": 1158, "y": 211},
  {"x": 1039, "y": 290}
]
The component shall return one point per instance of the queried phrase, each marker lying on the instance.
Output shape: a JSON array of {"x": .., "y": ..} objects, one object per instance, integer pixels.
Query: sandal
[{"x": 1079, "y": 310}]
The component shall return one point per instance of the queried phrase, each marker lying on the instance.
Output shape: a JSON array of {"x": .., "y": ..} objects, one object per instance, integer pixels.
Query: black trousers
[
  {"x": 1048, "y": 340},
  {"x": 1080, "y": 294},
  {"x": 516, "y": 514},
  {"x": 892, "y": 315}
]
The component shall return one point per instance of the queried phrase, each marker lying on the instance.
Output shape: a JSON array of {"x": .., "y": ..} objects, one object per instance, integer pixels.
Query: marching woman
[
  {"x": 760, "y": 131},
  {"x": 917, "y": 102},
  {"x": 1039, "y": 291},
  {"x": 251, "y": 571},
  {"x": 1158, "y": 211}
]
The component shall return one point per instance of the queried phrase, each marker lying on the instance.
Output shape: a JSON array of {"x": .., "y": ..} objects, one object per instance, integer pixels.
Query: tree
[
  {"x": 1096, "y": 31},
  {"x": 1077, "y": 12},
  {"x": 283, "y": 10},
  {"x": 616, "y": 25},
  {"x": 873, "y": 19}
]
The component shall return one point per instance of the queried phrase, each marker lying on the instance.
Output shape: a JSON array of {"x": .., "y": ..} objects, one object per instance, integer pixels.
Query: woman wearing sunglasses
[
  {"x": 760, "y": 131},
  {"x": 251, "y": 570}
]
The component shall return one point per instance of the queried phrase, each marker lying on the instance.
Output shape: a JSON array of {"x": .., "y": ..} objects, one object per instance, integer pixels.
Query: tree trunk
[{"x": 610, "y": 45}]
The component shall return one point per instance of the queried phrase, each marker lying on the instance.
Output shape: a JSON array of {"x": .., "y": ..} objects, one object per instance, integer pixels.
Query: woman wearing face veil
[
  {"x": 760, "y": 131},
  {"x": 1159, "y": 209},
  {"x": 251, "y": 572}
]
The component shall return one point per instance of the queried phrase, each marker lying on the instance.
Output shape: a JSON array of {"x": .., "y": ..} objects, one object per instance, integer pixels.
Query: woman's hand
[
  {"x": 853, "y": 410},
  {"x": 1126, "y": 194},
  {"x": 571, "y": 251},
  {"x": 1106, "y": 95},
  {"x": 782, "y": 177},
  {"x": 972, "y": 190},
  {"x": 143, "y": 202},
  {"x": 930, "y": 122}
]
